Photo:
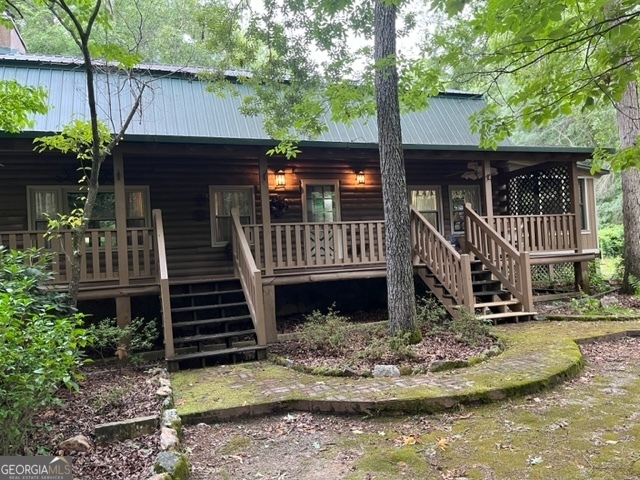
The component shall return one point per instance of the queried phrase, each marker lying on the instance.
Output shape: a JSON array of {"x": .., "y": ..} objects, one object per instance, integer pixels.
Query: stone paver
[{"x": 538, "y": 355}]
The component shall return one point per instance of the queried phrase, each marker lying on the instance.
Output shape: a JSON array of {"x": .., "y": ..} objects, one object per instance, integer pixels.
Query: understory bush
[
  {"x": 611, "y": 239},
  {"x": 325, "y": 331},
  {"x": 467, "y": 327},
  {"x": 333, "y": 335},
  {"x": 40, "y": 347},
  {"x": 110, "y": 339}
]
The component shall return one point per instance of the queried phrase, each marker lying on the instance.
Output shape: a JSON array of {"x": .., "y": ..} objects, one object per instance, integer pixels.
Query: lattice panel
[
  {"x": 557, "y": 274},
  {"x": 541, "y": 193}
]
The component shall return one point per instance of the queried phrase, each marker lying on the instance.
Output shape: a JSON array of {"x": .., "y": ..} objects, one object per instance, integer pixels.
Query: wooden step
[
  {"x": 217, "y": 353},
  {"x": 205, "y": 294},
  {"x": 207, "y": 307},
  {"x": 501, "y": 303},
  {"x": 193, "y": 281},
  {"x": 493, "y": 316},
  {"x": 211, "y": 321},
  {"x": 485, "y": 282},
  {"x": 492, "y": 292},
  {"x": 213, "y": 336}
]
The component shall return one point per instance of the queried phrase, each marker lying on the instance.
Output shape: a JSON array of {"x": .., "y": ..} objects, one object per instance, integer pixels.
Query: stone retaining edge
[{"x": 406, "y": 406}]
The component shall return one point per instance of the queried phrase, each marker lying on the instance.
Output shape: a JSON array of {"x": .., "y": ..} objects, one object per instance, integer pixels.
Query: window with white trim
[
  {"x": 46, "y": 202},
  {"x": 222, "y": 199},
  {"x": 427, "y": 200},
  {"x": 584, "y": 218}
]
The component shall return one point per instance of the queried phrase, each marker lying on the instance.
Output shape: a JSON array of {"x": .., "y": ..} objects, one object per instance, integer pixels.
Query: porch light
[
  {"x": 280, "y": 179},
  {"x": 360, "y": 178}
]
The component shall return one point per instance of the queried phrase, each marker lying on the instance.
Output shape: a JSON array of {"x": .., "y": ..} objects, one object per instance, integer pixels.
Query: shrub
[
  {"x": 40, "y": 347},
  {"x": 611, "y": 240},
  {"x": 108, "y": 338},
  {"x": 325, "y": 331},
  {"x": 468, "y": 328},
  {"x": 430, "y": 313}
]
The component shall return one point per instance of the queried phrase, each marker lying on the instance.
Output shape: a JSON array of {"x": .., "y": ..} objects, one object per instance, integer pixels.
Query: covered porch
[{"x": 476, "y": 218}]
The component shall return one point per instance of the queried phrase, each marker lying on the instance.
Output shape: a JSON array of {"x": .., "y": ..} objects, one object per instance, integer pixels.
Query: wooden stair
[
  {"x": 492, "y": 300},
  {"x": 211, "y": 324}
]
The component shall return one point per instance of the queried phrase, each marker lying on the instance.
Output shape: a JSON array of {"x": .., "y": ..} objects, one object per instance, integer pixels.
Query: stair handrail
[
  {"x": 511, "y": 267},
  {"x": 162, "y": 278},
  {"x": 452, "y": 269},
  {"x": 250, "y": 276}
]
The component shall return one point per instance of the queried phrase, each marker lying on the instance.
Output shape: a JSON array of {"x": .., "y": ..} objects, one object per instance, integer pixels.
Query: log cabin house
[{"x": 192, "y": 211}]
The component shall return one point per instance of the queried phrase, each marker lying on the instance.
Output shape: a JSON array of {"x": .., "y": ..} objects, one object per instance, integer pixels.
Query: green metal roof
[{"x": 177, "y": 108}]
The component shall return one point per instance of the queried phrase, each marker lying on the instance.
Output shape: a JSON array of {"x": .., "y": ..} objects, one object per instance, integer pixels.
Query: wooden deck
[{"x": 491, "y": 276}]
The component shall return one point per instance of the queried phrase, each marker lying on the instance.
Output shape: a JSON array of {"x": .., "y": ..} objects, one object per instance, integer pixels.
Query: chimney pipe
[{"x": 10, "y": 40}]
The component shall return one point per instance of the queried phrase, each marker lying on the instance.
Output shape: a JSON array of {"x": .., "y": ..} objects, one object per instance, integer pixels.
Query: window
[
  {"x": 427, "y": 201},
  {"x": 47, "y": 202},
  {"x": 321, "y": 201},
  {"x": 458, "y": 196},
  {"x": 584, "y": 222},
  {"x": 222, "y": 200}
]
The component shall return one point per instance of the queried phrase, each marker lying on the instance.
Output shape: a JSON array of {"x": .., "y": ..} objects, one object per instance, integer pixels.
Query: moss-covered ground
[
  {"x": 537, "y": 355},
  {"x": 585, "y": 428}
]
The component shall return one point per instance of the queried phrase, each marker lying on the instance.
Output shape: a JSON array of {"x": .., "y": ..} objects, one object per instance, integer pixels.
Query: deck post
[
  {"x": 467, "y": 286},
  {"x": 488, "y": 190},
  {"x": 525, "y": 282},
  {"x": 581, "y": 269},
  {"x": 266, "y": 215},
  {"x": 123, "y": 304},
  {"x": 269, "y": 311}
]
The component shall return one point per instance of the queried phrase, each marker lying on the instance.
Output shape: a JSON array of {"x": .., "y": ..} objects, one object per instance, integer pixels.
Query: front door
[
  {"x": 321, "y": 204},
  {"x": 321, "y": 201}
]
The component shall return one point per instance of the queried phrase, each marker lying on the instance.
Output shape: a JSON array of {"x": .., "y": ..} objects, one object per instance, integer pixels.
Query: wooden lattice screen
[{"x": 544, "y": 192}]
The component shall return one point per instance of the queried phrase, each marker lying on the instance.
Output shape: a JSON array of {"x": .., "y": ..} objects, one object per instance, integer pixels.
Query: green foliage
[
  {"x": 597, "y": 282},
  {"x": 611, "y": 239},
  {"x": 466, "y": 327},
  {"x": 40, "y": 347},
  {"x": 591, "y": 306},
  {"x": 18, "y": 103},
  {"x": 325, "y": 331},
  {"x": 566, "y": 58},
  {"x": 108, "y": 338},
  {"x": 430, "y": 314},
  {"x": 76, "y": 137}
]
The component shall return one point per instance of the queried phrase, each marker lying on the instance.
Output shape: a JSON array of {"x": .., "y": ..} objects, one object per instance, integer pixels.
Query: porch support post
[
  {"x": 269, "y": 311},
  {"x": 581, "y": 269},
  {"x": 268, "y": 291},
  {"x": 123, "y": 304},
  {"x": 488, "y": 190},
  {"x": 266, "y": 215}
]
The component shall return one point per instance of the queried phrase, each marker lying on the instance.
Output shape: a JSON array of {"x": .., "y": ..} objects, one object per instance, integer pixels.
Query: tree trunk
[
  {"x": 628, "y": 131},
  {"x": 400, "y": 289}
]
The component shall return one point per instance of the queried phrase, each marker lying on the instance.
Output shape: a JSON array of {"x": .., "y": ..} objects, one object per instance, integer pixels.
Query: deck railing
[
  {"x": 250, "y": 276},
  {"x": 510, "y": 266},
  {"x": 162, "y": 278},
  {"x": 303, "y": 245},
  {"x": 537, "y": 233},
  {"x": 99, "y": 250},
  {"x": 452, "y": 269}
]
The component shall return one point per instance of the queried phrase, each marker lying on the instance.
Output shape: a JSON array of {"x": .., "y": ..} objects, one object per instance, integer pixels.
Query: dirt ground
[
  {"x": 116, "y": 392},
  {"x": 587, "y": 428}
]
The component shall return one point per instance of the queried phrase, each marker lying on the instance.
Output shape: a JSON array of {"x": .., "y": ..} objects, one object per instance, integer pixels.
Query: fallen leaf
[
  {"x": 411, "y": 440},
  {"x": 442, "y": 442}
]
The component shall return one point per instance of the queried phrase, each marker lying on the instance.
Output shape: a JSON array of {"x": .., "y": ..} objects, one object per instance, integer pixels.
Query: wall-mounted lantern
[
  {"x": 280, "y": 179},
  {"x": 360, "y": 178}
]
